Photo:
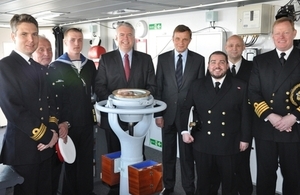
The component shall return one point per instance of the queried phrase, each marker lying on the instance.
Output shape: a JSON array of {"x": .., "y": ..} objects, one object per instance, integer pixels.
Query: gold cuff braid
[
  {"x": 53, "y": 119},
  {"x": 38, "y": 133},
  {"x": 261, "y": 107}
]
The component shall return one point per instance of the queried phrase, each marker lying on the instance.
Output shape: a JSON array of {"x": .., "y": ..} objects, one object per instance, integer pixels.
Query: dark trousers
[
  {"x": 169, "y": 157},
  {"x": 78, "y": 176},
  {"x": 243, "y": 174},
  {"x": 269, "y": 154},
  {"x": 37, "y": 178},
  {"x": 206, "y": 167},
  {"x": 56, "y": 171}
]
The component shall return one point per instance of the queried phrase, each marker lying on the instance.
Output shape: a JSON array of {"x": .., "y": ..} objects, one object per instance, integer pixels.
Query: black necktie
[
  {"x": 217, "y": 86},
  {"x": 178, "y": 72},
  {"x": 282, "y": 59},
  {"x": 233, "y": 71}
]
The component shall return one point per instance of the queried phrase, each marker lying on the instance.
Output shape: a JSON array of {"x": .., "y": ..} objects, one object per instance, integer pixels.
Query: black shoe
[{"x": 166, "y": 191}]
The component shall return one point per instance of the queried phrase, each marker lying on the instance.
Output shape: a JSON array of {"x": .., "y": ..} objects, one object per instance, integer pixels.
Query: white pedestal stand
[{"x": 130, "y": 110}]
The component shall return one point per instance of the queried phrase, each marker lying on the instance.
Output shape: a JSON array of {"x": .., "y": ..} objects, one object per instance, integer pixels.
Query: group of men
[
  {"x": 44, "y": 102},
  {"x": 233, "y": 102}
]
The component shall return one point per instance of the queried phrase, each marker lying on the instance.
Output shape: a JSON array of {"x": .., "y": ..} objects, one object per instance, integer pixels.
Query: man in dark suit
[
  {"x": 240, "y": 68},
  {"x": 225, "y": 124},
  {"x": 32, "y": 125},
  {"x": 273, "y": 81},
  {"x": 173, "y": 94},
  {"x": 111, "y": 76}
]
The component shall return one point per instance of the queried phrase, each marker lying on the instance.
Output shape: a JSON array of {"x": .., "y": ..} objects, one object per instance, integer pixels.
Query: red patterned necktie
[{"x": 126, "y": 66}]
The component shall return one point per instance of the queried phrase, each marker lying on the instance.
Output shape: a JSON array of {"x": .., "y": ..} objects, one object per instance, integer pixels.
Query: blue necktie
[{"x": 178, "y": 71}]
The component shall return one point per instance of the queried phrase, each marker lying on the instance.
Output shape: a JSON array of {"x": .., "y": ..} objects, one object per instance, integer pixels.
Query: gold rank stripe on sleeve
[
  {"x": 94, "y": 115},
  {"x": 53, "y": 119},
  {"x": 298, "y": 109},
  {"x": 261, "y": 107},
  {"x": 38, "y": 133}
]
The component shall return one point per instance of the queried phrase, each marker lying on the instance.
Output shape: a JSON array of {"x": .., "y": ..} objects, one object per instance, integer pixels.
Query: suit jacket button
[
  {"x": 288, "y": 107},
  {"x": 209, "y": 111},
  {"x": 223, "y": 113},
  {"x": 208, "y": 132},
  {"x": 223, "y": 123},
  {"x": 209, "y": 122},
  {"x": 223, "y": 134}
]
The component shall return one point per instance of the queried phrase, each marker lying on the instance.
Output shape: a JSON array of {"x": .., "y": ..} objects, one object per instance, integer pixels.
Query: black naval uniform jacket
[
  {"x": 29, "y": 111},
  {"x": 224, "y": 116},
  {"x": 270, "y": 88}
]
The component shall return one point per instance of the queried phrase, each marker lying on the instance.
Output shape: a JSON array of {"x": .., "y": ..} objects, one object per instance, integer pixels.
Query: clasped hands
[
  {"x": 63, "y": 133},
  {"x": 282, "y": 123}
]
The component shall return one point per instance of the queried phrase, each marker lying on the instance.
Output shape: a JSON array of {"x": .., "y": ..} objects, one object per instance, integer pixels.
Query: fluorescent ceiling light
[
  {"x": 47, "y": 15},
  {"x": 123, "y": 11}
]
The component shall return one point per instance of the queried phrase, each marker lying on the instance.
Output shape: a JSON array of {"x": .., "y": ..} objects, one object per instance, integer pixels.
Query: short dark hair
[
  {"x": 17, "y": 19},
  {"x": 218, "y": 53},
  {"x": 182, "y": 28},
  {"x": 72, "y": 29}
]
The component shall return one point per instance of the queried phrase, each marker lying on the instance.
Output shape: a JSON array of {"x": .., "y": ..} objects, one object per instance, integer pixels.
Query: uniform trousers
[
  {"x": 37, "y": 178},
  {"x": 78, "y": 176},
  {"x": 207, "y": 165},
  {"x": 269, "y": 154}
]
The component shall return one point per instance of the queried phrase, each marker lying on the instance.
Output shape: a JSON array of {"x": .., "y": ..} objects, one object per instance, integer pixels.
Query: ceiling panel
[{"x": 81, "y": 11}]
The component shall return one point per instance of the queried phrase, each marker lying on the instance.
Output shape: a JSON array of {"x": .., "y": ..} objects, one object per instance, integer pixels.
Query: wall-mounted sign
[{"x": 156, "y": 26}]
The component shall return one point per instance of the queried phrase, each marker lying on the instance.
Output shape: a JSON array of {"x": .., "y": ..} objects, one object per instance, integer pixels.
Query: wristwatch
[{"x": 69, "y": 125}]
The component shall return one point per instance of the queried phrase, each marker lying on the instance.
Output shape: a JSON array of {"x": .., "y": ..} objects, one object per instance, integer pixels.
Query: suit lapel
[
  {"x": 291, "y": 63},
  {"x": 171, "y": 67},
  {"x": 25, "y": 67},
  {"x": 188, "y": 67},
  {"x": 119, "y": 62},
  {"x": 135, "y": 65}
]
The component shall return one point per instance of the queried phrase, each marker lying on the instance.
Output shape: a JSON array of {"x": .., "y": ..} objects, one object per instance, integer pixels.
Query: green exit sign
[
  {"x": 156, "y": 26},
  {"x": 155, "y": 142}
]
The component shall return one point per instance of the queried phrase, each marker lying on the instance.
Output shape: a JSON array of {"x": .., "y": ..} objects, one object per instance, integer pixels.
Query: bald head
[{"x": 234, "y": 48}]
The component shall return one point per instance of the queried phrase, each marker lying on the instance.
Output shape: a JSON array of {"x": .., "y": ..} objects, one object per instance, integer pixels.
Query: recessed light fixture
[
  {"x": 47, "y": 15},
  {"x": 124, "y": 11}
]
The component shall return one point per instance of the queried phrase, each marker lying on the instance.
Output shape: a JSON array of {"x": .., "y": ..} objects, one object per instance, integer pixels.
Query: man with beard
[{"x": 221, "y": 104}]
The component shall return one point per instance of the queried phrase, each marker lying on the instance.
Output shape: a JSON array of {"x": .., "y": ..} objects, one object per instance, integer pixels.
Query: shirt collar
[
  {"x": 287, "y": 52},
  {"x": 23, "y": 55},
  {"x": 237, "y": 64},
  {"x": 129, "y": 54},
  {"x": 184, "y": 54},
  {"x": 221, "y": 80}
]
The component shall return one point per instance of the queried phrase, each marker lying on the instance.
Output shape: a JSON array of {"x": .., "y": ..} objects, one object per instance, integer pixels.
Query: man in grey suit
[
  {"x": 172, "y": 88},
  {"x": 111, "y": 76}
]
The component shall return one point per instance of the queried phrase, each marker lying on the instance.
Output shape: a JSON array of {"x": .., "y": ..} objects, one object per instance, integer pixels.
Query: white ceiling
[{"x": 97, "y": 10}]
